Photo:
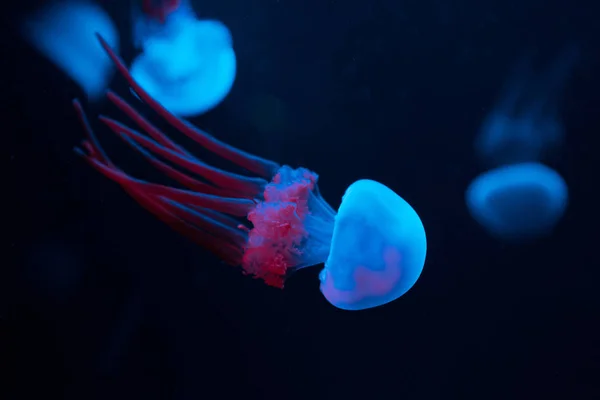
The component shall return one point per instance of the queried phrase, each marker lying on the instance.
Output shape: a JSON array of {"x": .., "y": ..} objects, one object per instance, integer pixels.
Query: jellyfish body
[
  {"x": 187, "y": 64},
  {"x": 65, "y": 34},
  {"x": 518, "y": 201},
  {"x": 273, "y": 223},
  {"x": 522, "y": 198}
]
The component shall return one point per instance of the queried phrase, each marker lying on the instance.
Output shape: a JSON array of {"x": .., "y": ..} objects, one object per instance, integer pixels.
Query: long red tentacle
[
  {"x": 185, "y": 180},
  {"x": 217, "y": 232},
  {"x": 143, "y": 123},
  {"x": 247, "y": 187}
]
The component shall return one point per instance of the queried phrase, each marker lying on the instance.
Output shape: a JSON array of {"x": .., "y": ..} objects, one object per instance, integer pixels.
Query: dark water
[{"x": 100, "y": 300}]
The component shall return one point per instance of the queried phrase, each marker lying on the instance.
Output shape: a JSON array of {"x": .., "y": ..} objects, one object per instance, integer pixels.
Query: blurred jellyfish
[
  {"x": 522, "y": 198},
  {"x": 64, "y": 32},
  {"x": 187, "y": 64},
  {"x": 525, "y": 123},
  {"x": 518, "y": 201}
]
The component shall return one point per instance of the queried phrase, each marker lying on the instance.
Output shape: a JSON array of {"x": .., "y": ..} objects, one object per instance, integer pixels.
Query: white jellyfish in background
[{"x": 518, "y": 201}]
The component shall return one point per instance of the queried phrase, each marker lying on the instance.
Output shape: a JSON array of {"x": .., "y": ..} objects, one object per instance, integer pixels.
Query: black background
[{"x": 100, "y": 300}]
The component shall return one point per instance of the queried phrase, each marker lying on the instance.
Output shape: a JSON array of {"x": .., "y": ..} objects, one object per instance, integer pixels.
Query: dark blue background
[{"x": 100, "y": 300}]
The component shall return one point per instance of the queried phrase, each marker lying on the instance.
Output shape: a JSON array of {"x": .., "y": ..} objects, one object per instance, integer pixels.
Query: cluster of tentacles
[{"x": 211, "y": 207}]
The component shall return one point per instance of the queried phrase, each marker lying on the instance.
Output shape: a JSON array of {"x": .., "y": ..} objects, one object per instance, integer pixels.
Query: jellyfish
[
  {"x": 518, "y": 201},
  {"x": 187, "y": 64},
  {"x": 64, "y": 33},
  {"x": 521, "y": 198},
  {"x": 273, "y": 223}
]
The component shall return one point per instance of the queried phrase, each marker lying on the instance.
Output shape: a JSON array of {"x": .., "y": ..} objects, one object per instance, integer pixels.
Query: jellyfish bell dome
[
  {"x": 519, "y": 201},
  {"x": 190, "y": 70},
  {"x": 377, "y": 251}
]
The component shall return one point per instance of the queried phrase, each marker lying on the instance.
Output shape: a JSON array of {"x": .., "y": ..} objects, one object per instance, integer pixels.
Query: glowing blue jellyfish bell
[
  {"x": 187, "y": 64},
  {"x": 377, "y": 251},
  {"x": 518, "y": 201}
]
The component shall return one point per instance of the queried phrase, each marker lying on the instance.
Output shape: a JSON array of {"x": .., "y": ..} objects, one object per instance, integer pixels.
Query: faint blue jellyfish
[
  {"x": 525, "y": 123},
  {"x": 272, "y": 220},
  {"x": 522, "y": 198},
  {"x": 518, "y": 201},
  {"x": 187, "y": 64},
  {"x": 65, "y": 33}
]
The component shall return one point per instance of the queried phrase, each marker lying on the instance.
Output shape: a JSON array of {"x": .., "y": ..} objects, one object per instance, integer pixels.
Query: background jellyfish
[
  {"x": 187, "y": 64},
  {"x": 276, "y": 222},
  {"x": 522, "y": 198},
  {"x": 64, "y": 33},
  {"x": 518, "y": 201}
]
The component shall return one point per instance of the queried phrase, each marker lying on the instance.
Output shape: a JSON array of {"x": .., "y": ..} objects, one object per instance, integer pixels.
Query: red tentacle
[
  {"x": 190, "y": 183},
  {"x": 247, "y": 187},
  {"x": 165, "y": 203},
  {"x": 231, "y": 206},
  {"x": 143, "y": 123}
]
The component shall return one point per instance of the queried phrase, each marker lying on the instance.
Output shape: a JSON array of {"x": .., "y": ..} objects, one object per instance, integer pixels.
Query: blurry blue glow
[
  {"x": 188, "y": 65},
  {"x": 377, "y": 251},
  {"x": 518, "y": 201},
  {"x": 65, "y": 34},
  {"x": 525, "y": 123}
]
